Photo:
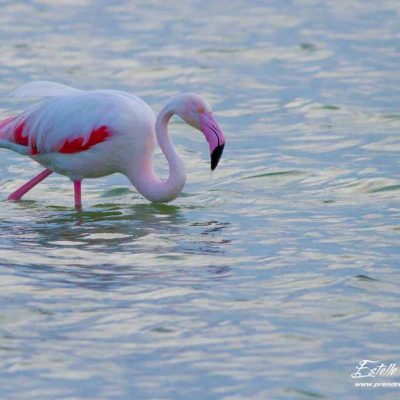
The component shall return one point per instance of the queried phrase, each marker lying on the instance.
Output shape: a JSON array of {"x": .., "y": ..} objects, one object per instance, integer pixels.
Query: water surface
[{"x": 270, "y": 278}]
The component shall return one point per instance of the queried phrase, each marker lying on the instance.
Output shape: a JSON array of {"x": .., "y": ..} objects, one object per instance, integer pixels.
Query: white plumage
[{"x": 89, "y": 134}]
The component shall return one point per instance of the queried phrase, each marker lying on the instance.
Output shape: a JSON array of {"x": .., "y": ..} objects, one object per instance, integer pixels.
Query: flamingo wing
[
  {"x": 68, "y": 124},
  {"x": 43, "y": 89}
]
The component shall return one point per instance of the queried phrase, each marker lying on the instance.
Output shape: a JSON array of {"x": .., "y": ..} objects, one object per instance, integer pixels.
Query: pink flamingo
[{"x": 90, "y": 134}]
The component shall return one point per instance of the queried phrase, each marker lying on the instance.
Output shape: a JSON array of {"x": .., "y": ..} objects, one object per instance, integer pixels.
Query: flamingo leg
[
  {"x": 17, "y": 195},
  {"x": 78, "y": 197}
]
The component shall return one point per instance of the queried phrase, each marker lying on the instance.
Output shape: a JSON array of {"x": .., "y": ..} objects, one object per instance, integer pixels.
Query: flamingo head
[{"x": 197, "y": 112}]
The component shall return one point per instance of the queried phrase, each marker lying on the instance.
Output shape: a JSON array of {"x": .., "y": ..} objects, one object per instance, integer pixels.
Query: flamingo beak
[
  {"x": 214, "y": 137},
  {"x": 216, "y": 156}
]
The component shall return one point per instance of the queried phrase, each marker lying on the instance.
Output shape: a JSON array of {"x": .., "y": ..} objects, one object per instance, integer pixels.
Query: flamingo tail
[{"x": 23, "y": 150}]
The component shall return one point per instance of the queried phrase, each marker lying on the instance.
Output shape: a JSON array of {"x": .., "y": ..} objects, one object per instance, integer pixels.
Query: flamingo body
[
  {"x": 90, "y": 134},
  {"x": 85, "y": 135}
]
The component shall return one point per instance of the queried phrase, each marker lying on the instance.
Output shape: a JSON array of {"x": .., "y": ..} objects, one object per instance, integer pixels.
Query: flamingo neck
[{"x": 147, "y": 183}]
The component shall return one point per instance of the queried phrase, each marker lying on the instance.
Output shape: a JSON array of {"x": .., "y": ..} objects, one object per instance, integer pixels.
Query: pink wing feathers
[{"x": 67, "y": 124}]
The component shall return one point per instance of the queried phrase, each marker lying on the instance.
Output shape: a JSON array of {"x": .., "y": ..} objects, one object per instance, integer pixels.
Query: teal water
[{"x": 273, "y": 277}]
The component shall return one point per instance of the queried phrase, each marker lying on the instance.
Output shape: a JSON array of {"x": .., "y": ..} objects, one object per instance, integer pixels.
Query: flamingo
[{"x": 90, "y": 134}]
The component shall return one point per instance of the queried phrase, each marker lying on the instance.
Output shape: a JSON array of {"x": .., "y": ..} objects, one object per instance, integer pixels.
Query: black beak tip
[{"x": 216, "y": 156}]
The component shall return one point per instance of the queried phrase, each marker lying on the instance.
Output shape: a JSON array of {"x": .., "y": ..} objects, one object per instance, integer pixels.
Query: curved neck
[{"x": 148, "y": 184}]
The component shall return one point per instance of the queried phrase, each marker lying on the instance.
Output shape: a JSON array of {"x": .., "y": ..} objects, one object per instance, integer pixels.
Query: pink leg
[
  {"x": 17, "y": 195},
  {"x": 78, "y": 198}
]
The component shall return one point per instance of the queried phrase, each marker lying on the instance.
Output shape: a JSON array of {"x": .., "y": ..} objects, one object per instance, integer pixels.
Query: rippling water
[{"x": 269, "y": 279}]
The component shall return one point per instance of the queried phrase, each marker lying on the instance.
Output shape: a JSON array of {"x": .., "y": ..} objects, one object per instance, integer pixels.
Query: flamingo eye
[{"x": 200, "y": 110}]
